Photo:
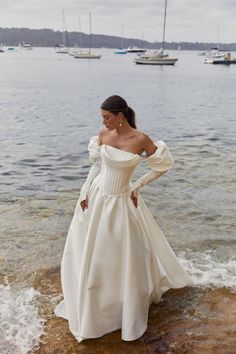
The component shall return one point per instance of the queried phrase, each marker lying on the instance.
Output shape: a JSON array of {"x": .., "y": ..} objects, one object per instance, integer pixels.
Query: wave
[
  {"x": 21, "y": 325},
  {"x": 208, "y": 270}
]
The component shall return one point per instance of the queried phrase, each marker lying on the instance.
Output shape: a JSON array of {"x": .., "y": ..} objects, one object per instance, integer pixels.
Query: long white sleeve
[
  {"x": 95, "y": 160},
  {"x": 159, "y": 162}
]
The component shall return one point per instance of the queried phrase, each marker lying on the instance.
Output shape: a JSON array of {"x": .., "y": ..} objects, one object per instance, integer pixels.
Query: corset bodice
[{"x": 116, "y": 170}]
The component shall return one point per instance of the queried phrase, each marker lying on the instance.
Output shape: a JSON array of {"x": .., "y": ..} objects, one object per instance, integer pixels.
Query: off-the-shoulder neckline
[
  {"x": 128, "y": 152},
  {"x": 113, "y": 147}
]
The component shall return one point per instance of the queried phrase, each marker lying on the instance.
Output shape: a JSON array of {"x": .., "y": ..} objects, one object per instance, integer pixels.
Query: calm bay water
[{"x": 49, "y": 108}]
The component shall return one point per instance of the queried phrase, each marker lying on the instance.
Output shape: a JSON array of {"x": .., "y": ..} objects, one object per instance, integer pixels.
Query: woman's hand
[
  {"x": 84, "y": 204},
  {"x": 134, "y": 199}
]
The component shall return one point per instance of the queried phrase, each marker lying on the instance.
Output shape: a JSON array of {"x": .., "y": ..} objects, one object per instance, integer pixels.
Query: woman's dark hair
[{"x": 116, "y": 104}]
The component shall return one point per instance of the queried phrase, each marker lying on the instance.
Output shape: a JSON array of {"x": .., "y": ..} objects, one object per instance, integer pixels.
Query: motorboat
[
  {"x": 132, "y": 49},
  {"x": 225, "y": 60},
  {"x": 213, "y": 53},
  {"x": 157, "y": 58},
  {"x": 1, "y": 49},
  {"x": 27, "y": 46}
]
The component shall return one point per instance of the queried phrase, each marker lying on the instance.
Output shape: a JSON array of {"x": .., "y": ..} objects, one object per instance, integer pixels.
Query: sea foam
[
  {"x": 207, "y": 270},
  {"x": 21, "y": 325}
]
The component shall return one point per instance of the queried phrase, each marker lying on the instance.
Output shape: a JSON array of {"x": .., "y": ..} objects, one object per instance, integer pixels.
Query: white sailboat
[
  {"x": 88, "y": 54},
  {"x": 158, "y": 57},
  {"x": 121, "y": 50},
  {"x": 62, "y": 48},
  {"x": 77, "y": 47}
]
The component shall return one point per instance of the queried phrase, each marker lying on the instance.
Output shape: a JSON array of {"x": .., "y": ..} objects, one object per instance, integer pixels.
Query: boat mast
[
  {"x": 65, "y": 34},
  {"x": 122, "y": 34},
  {"x": 80, "y": 41},
  {"x": 218, "y": 37},
  {"x": 90, "y": 35},
  {"x": 64, "y": 29},
  {"x": 164, "y": 28}
]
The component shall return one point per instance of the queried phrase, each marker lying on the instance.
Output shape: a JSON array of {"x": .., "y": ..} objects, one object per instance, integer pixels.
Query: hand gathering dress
[{"x": 116, "y": 261}]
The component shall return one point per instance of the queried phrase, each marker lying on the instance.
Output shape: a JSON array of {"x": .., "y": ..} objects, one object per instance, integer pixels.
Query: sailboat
[
  {"x": 62, "y": 48},
  {"x": 158, "y": 57},
  {"x": 121, "y": 50},
  {"x": 88, "y": 54},
  {"x": 77, "y": 47}
]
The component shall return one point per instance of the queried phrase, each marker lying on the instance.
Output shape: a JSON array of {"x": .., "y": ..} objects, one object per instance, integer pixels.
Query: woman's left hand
[{"x": 134, "y": 199}]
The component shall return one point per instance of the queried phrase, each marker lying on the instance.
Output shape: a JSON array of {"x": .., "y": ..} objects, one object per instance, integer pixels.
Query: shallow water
[{"x": 49, "y": 109}]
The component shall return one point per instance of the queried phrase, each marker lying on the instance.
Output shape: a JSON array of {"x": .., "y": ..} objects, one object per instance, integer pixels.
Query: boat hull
[
  {"x": 62, "y": 51},
  {"x": 224, "y": 62},
  {"x": 87, "y": 56},
  {"x": 163, "y": 61},
  {"x": 120, "y": 51}
]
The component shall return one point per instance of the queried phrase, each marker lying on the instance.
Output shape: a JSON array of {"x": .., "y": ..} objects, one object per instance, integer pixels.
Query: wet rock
[{"x": 188, "y": 320}]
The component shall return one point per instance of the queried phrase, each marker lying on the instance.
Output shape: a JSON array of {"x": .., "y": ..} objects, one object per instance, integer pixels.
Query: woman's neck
[{"x": 124, "y": 129}]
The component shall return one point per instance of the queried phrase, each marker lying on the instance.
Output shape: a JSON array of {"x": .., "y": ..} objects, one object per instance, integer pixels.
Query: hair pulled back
[{"x": 116, "y": 104}]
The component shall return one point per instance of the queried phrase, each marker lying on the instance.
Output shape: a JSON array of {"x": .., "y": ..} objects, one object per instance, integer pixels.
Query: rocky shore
[{"x": 189, "y": 320}]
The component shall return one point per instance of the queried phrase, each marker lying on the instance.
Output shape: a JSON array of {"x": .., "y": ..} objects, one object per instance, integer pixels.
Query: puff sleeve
[
  {"x": 95, "y": 159},
  {"x": 159, "y": 162}
]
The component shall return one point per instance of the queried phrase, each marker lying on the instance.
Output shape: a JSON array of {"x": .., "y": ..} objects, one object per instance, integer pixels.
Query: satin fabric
[{"x": 116, "y": 261}]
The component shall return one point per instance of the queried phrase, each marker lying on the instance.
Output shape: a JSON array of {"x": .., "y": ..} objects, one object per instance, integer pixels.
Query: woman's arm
[
  {"x": 160, "y": 161},
  {"x": 94, "y": 158}
]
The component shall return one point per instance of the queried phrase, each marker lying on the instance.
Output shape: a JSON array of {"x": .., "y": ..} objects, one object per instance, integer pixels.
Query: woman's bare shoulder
[
  {"x": 103, "y": 132},
  {"x": 143, "y": 137},
  {"x": 146, "y": 142}
]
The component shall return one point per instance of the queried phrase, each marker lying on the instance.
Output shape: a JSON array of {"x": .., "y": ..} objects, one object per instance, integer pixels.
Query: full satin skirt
[{"x": 116, "y": 262}]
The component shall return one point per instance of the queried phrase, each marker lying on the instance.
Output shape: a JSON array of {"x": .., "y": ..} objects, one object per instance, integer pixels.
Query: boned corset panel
[{"x": 114, "y": 180}]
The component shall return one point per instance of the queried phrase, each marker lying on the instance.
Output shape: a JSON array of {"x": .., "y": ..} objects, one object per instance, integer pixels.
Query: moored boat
[
  {"x": 64, "y": 47},
  {"x": 132, "y": 49},
  {"x": 87, "y": 54},
  {"x": 226, "y": 60},
  {"x": 27, "y": 46},
  {"x": 120, "y": 51},
  {"x": 157, "y": 58}
]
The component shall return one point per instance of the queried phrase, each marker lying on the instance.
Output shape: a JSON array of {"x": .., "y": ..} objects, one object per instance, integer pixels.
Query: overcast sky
[{"x": 187, "y": 20}]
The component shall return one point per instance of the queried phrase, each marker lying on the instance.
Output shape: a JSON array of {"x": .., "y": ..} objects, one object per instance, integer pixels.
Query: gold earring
[{"x": 120, "y": 124}]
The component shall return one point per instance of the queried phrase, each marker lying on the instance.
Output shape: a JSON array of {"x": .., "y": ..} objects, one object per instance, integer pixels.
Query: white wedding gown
[{"x": 116, "y": 260}]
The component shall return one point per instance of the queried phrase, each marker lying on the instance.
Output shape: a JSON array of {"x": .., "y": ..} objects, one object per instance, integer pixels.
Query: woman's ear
[{"x": 120, "y": 115}]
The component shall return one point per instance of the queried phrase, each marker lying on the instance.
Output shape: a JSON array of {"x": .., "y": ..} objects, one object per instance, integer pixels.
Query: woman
[{"x": 116, "y": 261}]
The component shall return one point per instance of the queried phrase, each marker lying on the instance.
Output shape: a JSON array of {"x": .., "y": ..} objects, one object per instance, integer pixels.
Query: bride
[{"x": 116, "y": 260}]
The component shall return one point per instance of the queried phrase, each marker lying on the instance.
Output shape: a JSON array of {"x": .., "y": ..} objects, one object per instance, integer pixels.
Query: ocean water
[{"x": 49, "y": 108}]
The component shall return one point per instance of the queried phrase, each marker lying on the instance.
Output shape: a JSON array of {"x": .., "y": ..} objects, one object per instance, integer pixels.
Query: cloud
[{"x": 187, "y": 20}]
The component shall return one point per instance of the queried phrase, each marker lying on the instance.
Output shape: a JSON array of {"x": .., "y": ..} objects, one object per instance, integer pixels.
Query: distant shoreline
[{"x": 49, "y": 38}]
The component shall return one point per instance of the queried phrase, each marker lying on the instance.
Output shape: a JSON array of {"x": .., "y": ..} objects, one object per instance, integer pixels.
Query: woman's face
[{"x": 110, "y": 120}]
